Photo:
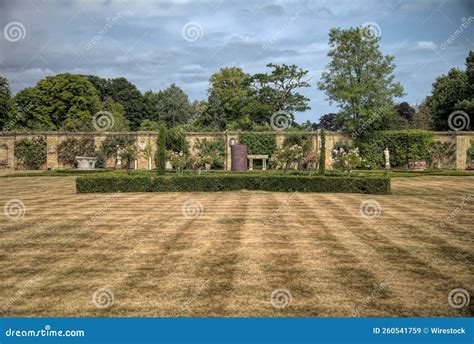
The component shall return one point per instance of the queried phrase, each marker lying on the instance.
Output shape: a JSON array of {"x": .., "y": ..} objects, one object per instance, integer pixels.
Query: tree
[
  {"x": 229, "y": 92},
  {"x": 330, "y": 122},
  {"x": 124, "y": 92},
  {"x": 161, "y": 150},
  {"x": 359, "y": 78},
  {"x": 63, "y": 100},
  {"x": 170, "y": 106},
  {"x": 322, "y": 156},
  {"x": 7, "y": 105},
  {"x": 149, "y": 125},
  {"x": 422, "y": 118},
  {"x": 447, "y": 94},
  {"x": 120, "y": 122},
  {"x": 404, "y": 110},
  {"x": 277, "y": 89}
]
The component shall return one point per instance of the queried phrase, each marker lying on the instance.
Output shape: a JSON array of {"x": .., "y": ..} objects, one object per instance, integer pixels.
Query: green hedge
[
  {"x": 191, "y": 183},
  {"x": 259, "y": 143},
  {"x": 404, "y": 146}
]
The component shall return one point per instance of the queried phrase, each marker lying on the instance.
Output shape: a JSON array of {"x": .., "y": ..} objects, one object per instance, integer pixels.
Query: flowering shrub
[
  {"x": 347, "y": 160},
  {"x": 310, "y": 160},
  {"x": 178, "y": 160},
  {"x": 287, "y": 157}
]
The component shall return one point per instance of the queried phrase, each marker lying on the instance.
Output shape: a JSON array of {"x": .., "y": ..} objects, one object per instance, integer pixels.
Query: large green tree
[
  {"x": 170, "y": 106},
  {"x": 6, "y": 104},
  {"x": 64, "y": 100},
  {"x": 359, "y": 78}
]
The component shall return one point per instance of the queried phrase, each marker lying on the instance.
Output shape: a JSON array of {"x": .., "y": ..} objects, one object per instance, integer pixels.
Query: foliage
[
  {"x": 232, "y": 182},
  {"x": 470, "y": 153},
  {"x": 60, "y": 101},
  {"x": 259, "y": 143},
  {"x": 161, "y": 150},
  {"x": 359, "y": 77},
  {"x": 322, "y": 155},
  {"x": 176, "y": 140},
  {"x": 120, "y": 122},
  {"x": 170, "y": 106},
  {"x": 178, "y": 160},
  {"x": 7, "y": 105},
  {"x": 347, "y": 160},
  {"x": 405, "y": 111},
  {"x": 129, "y": 154},
  {"x": 303, "y": 140},
  {"x": 287, "y": 157},
  {"x": 442, "y": 153},
  {"x": 149, "y": 125},
  {"x": 31, "y": 153},
  {"x": 330, "y": 122},
  {"x": 72, "y": 147},
  {"x": 422, "y": 118},
  {"x": 113, "y": 143},
  {"x": 310, "y": 160},
  {"x": 212, "y": 151},
  {"x": 404, "y": 146}
]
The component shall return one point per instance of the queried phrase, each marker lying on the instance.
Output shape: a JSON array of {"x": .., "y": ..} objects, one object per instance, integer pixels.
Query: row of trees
[{"x": 359, "y": 79}]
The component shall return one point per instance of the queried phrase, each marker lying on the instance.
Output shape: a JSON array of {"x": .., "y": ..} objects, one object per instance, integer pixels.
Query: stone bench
[{"x": 264, "y": 159}]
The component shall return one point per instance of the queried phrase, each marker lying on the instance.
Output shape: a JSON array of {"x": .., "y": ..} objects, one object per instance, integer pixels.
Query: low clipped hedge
[{"x": 212, "y": 183}]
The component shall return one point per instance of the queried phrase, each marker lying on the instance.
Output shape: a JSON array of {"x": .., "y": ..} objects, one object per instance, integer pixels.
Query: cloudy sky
[{"x": 156, "y": 43}]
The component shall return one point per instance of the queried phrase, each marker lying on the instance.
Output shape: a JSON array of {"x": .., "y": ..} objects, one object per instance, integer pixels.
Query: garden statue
[
  {"x": 118, "y": 166},
  {"x": 386, "y": 153}
]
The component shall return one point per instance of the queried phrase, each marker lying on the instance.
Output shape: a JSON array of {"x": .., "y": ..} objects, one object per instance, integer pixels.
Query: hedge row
[{"x": 190, "y": 183}]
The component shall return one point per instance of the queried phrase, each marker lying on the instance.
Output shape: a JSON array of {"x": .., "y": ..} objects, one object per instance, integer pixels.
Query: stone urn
[{"x": 86, "y": 162}]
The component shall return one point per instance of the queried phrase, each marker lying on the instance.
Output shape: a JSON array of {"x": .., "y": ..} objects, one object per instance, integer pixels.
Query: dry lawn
[{"x": 245, "y": 245}]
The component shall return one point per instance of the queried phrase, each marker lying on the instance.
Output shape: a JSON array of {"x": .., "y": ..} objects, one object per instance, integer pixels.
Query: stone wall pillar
[{"x": 462, "y": 145}]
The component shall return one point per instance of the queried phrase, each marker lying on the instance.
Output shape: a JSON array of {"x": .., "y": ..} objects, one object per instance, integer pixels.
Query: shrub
[
  {"x": 212, "y": 151},
  {"x": 72, "y": 147},
  {"x": 259, "y": 143},
  {"x": 348, "y": 160},
  {"x": 113, "y": 143},
  {"x": 442, "y": 153},
  {"x": 404, "y": 146},
  {"x": 470, "y": 153},
  {"x": 299, "y": 139},
  {"x": 161, "y": 150},
  {"x": 322, "y": 155},
  {"x": 232, "y": 182},
  {"x": 176, "y": 141},
  {"x": 287, "y": 157},
  {"x": 178, "y": 160},
  {"x": 129, "y": 154},
  {"x": 31, "y": 153}
]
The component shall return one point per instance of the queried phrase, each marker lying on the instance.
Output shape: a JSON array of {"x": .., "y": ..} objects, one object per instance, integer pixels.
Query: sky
[{"x": 156, "y": 43}]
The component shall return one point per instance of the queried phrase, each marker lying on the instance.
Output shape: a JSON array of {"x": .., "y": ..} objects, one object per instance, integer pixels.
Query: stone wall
[{"x": 53, "y": 139}]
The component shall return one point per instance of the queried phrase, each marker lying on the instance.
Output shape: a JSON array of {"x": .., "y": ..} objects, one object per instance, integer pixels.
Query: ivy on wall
[
  {"x": 259, "y": 143},
  {"x": 31, "y": 152},
  {"x": 72, "y": 147}
]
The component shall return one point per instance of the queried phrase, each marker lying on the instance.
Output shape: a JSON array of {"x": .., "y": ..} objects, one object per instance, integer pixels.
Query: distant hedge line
[{"x": 211, "y": 183}]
